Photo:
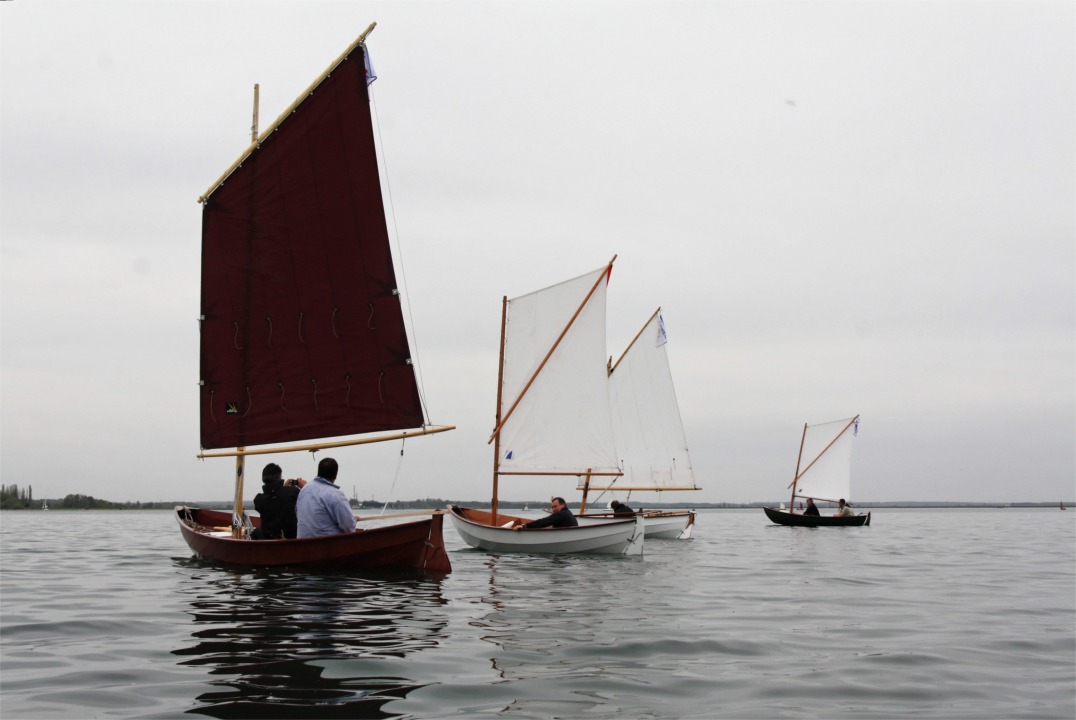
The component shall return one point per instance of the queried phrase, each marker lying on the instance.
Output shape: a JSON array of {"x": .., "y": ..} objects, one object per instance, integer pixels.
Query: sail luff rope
[{"x": 391, "y": 207}]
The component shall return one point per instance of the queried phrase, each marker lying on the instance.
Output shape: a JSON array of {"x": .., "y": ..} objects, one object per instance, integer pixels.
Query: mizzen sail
[
  {"x": 647, "y": 427},
  {"x": 302, "y": 331}
]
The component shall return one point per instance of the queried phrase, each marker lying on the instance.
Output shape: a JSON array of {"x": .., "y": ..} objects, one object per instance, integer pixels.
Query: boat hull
[
  {"x": 782, "y": 517},
  {"x": 672, "y": 525},
  {"x": 415, "y": 545},
  {"x": 612, "y": 537}
]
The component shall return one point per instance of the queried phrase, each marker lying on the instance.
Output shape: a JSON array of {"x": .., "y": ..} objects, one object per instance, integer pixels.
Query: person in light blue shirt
[{"x": 322, "y": 507}]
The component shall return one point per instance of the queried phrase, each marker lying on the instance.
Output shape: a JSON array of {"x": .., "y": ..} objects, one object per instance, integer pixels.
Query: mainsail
[
  {"x": 560, "y": 422},
  {"x": 825, "y": 463},
  {"x": 302, "y": 332},
  {"x": 647, "y": 428}
]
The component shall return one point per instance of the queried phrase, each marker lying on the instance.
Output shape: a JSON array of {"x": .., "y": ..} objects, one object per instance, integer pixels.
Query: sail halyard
[{"x": 302, "y": 330}]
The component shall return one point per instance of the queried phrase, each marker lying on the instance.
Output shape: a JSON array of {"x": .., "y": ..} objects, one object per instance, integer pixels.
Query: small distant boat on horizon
[
  {"x": 1062, "y": 504},
  {"x": 45, "y": 505},
  {"x": 826, "y": 475}
]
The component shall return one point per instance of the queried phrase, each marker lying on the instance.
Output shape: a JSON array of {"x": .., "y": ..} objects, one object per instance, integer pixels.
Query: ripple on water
[{"x": 971, "y": 618}]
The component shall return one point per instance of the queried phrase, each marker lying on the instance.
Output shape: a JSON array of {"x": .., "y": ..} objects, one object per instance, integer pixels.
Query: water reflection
[
  {"x": 558, "y": 621},
  {"x": 297, "y": 645}
]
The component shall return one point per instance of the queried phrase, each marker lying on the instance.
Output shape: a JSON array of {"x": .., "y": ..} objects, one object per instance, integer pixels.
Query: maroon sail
[{"x": 302, "y": 332}]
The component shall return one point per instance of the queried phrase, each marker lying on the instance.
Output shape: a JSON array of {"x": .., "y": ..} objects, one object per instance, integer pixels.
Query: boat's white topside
[
  {"x": 659, "y": 526},
  {"x": 616, "y": 537}
]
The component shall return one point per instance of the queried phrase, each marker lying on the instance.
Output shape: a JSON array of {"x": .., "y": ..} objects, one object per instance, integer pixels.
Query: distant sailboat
[
  {"x": 1062, "y": 504},
  {"x": 823, "y": 472},
  {"x": 45, "y": 505}
]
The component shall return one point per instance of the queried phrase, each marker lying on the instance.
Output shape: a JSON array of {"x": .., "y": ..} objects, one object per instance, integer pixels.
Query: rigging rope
[{"x": 392, "y": 488}]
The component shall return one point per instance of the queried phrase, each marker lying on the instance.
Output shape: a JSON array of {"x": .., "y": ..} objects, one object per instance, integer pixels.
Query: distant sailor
[{"x": 323, "y": 508}]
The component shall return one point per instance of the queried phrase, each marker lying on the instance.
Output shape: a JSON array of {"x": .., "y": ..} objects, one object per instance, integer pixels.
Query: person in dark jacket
[
  {"x": 811, "y": 509},
  {"x": 560, "y": 517},
  {"x": 276, "y": 505},
  {"x": 620, "y": 508}
]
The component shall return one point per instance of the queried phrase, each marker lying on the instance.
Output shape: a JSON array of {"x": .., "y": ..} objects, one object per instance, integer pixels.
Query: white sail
[
  {"x": 562, "y": 422},
  {"x": 647, "y": 427},
  {"x": 826, "y": 460}
]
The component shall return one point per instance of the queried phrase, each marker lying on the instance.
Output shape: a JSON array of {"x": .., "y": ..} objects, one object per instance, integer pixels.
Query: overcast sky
[{"x": 842, "y": 207}]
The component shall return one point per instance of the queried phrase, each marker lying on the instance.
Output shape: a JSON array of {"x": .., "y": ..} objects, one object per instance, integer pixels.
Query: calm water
[{"x": 928, "y": 613}]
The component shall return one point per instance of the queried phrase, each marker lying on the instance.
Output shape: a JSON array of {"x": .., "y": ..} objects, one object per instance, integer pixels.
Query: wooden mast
[
  {"x": 238, "y": 517},
  {"x": 796, "y": 478},
  {"x": 586, "y": 489},
  {"x": 254, "y": 123},
  {"x": 497, "y": 419}
]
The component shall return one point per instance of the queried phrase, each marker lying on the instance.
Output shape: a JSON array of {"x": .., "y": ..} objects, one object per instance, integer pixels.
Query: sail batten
[{"x": 302, "y": 330}]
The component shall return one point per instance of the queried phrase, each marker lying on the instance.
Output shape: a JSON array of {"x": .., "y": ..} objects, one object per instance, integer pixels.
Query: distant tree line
[{"x": 11, "y": 498}]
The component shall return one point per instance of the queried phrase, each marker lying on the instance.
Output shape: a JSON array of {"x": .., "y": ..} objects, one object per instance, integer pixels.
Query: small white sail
[{"x": 826, "y": 460}]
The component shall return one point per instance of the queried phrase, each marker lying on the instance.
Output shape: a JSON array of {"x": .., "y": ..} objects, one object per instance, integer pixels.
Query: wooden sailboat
[
  {"x": 648, "y": 431},
  {"x": 302, "y": 330},
  {"x": 823, "y": 472},
  {"x": 553, "y": 417}
]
